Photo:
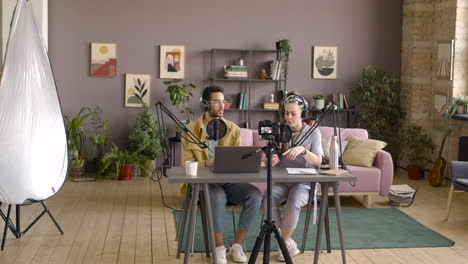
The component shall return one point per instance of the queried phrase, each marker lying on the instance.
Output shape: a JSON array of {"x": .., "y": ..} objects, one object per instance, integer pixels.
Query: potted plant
[
  {"x": 319, "y": 101},
  {"x": 97, "y": 135},
  {"x": 415, "y": 147},
  {"x": 376, "y": 97},
  {"x": 284, "y": 46},
  {"x": 122, "y": 161},
  {"x": 76, "y": 140},
  {"x": 228, "y": 103},
  {"x": 461, "y": 104},
  {"x": 145, "y": 140},
  {"x": 179, "y": 94}
]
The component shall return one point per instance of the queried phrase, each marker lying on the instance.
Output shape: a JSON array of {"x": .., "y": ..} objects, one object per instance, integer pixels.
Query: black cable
[{"x": 159, "y": 172}]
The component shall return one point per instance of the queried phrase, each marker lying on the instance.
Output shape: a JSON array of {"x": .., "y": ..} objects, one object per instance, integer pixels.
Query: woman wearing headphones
[{"x": 309, "y": 154}]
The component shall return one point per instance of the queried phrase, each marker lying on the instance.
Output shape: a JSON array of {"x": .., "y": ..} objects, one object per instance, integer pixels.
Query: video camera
[{"x": 274, "y": 131}]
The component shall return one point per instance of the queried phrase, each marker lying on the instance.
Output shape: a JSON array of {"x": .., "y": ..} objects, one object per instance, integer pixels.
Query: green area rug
[{"x": 362, "y": 229}]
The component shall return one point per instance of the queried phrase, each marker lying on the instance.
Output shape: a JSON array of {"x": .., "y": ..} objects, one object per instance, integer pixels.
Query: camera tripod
[{"x": 269, "y": 225}]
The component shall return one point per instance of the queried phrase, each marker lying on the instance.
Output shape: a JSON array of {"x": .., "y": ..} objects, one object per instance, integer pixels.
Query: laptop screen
[{"x": 239, "y": 159}]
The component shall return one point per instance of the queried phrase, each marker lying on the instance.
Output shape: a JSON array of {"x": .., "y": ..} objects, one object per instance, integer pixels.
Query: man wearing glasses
[{"x": 212, "y": 103}]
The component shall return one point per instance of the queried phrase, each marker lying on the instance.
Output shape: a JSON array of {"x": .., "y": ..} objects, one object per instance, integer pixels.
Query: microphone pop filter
[{"x": 216, "y": 129}]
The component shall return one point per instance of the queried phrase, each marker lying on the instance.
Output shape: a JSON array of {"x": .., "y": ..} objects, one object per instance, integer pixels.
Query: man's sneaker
[
  {"x": 292, "y": 249},
  {"x": 237, "y": 253},
  {"x": 221, "y": 255}
]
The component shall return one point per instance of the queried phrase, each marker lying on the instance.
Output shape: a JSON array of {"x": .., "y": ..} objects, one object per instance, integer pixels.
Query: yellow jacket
[{"x": 191, "y": 151}]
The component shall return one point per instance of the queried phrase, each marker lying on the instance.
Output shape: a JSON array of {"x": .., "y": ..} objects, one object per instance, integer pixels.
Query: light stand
[{"x": 269, "y": 225}]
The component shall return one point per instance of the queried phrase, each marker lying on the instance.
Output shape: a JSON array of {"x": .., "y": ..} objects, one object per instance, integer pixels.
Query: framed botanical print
[
  {"x": 324, "y": 62},
  {"x": 172, "y": 62},
  {"x": 444, "y": 68},
  {"x": 103, "y": 59},
  {"x": 137, "y": 90}
]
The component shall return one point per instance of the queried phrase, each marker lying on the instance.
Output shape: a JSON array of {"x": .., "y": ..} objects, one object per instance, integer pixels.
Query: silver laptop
[{"x": 237, "y": 159}]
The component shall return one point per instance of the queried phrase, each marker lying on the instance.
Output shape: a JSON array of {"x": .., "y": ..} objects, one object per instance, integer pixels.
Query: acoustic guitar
[{"x": 437, "y": 173}]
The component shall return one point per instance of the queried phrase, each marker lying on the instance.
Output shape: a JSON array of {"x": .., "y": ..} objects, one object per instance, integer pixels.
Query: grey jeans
[
  {"x": 237, "y": 193},
  {"x": 296, "y": 195}
]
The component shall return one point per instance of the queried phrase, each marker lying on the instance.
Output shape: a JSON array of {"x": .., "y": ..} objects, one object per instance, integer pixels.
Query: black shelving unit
[{"x": 245, "y": 84}]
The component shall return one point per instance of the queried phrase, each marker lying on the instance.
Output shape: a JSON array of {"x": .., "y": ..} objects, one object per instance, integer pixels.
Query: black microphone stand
[
  {"x": 269, "y": 225},
  {"x": 160, "y": 108}
]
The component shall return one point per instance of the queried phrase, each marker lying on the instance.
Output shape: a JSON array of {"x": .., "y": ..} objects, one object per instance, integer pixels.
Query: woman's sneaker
[
  {"x": 292, "y": 249},
  {"x": 237, "y": 253}
]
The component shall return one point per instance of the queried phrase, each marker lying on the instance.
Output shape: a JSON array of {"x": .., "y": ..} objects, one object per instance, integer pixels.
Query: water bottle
[{"x": 333, "y": 160}]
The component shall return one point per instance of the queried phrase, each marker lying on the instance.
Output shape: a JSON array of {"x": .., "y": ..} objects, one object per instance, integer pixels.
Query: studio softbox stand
[{"x": 33, "y": 153}]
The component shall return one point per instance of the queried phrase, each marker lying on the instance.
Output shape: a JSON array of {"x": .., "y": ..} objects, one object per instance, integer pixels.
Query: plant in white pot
[
  {"x": 319, "y": 101},
  {"x": 461, "y": 104}
]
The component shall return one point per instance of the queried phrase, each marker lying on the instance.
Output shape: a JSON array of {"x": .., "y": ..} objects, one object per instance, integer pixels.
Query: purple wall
[{"x": 365, "y": 32}]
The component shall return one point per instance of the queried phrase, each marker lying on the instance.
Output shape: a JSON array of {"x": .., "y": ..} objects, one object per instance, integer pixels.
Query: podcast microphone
[
  {"x": 250, "y": 154},
  {"x": 216, "y": 129}
]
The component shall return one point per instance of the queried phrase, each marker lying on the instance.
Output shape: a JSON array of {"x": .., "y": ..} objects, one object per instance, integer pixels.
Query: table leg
[
  {"x": 191, "y": 227},
  {"x": 309, "y": 209},
  {"x": 182, "y": 220},
  {"x": 323, "y": 207},
  {"x": 338, "y": 220},
  {"x": 209, "y": 218},
  {"x": 327, "y": 230}
]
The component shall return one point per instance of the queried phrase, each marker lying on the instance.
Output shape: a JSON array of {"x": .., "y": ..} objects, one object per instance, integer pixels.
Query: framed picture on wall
[
  {"x": 324, "y": 62},
  {"x": 441, "y": 101},
  {"x": 103, "y": 59},
  {"x": 172, "y": 62},
  {"x": 137, "y": 90},
  {"x": 444, "y": 68}
]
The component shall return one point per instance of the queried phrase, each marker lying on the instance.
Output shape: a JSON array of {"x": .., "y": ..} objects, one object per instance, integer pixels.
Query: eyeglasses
[{"x": 218, "y": 102}]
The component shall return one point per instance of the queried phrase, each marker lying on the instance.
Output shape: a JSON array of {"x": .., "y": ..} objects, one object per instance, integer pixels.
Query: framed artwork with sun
[
  {"x": 137, "y": 90},
  {"x": 172, "y": 62},
  {"x": 103, "y": 59}
]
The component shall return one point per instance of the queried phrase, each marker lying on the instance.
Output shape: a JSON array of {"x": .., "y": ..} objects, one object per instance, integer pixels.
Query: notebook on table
[{"x": 234, "y": 160}]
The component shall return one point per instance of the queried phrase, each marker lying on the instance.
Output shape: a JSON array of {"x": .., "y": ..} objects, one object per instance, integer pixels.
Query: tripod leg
[
  {"x": 51, "y": 217},
  {"x": 258, "y": 244},
  {"x": 266, "y": 246},
  {"x": 323, "y": 207},
  {"x": 6, "y": 226},
  {"x": 282, "y": 245}
]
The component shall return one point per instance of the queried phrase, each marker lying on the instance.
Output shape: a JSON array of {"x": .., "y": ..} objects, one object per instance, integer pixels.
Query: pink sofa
[{"x": 370, "y": 181}]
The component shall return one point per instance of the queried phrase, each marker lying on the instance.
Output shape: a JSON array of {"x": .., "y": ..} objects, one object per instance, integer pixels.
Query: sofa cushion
[
  {"x": 362, "y": 152},
  {"x": 345, "y": 132},
  {"x": 246, "y": 137}
]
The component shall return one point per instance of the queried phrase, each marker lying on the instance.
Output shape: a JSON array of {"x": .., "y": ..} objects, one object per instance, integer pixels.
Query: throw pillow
[
  {"x": 326, "y": 146},
  {"x": 362, "y": 152}
]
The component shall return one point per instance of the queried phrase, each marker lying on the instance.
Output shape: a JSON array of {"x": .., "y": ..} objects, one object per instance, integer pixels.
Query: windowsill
[{"x": 460, "y": 116}]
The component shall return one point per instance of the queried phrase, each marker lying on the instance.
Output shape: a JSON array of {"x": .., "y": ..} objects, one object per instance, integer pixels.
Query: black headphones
[
  {"x": 204, "y": 104},
  {"x": 299, "y": 100}
]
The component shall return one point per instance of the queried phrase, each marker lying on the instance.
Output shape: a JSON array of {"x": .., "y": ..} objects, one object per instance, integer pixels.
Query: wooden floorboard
[{"x": 111, "y": 221}]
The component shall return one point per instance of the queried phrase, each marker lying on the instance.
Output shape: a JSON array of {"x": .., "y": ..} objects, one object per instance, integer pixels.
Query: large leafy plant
[
  {"x": 144, "y": 138},
  {"x": 377, "y": 100},
  {"x": 180, "y": 94},
  {"x": 98, "y": 132},
  {"x": 415, "y": 145},
  {"x": 77, "y": 134}
]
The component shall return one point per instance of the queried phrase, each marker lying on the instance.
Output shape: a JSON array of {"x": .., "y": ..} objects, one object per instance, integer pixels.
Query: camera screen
[{"x": 266, "y": 130}]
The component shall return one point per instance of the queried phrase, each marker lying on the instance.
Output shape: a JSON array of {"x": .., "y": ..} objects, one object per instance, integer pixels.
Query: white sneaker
[
  {"x": 221, "y": 255},
  {"x": 237, "y": 253},
  {"x": 292, "y": 249}
]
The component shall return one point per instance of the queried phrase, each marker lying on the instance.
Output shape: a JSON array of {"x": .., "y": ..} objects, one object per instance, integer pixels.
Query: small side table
[{"x": 173, "y": 141}]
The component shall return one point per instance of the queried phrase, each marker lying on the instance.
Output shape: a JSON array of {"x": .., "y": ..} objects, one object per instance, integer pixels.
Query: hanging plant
[{"x": 284, "y": 46}]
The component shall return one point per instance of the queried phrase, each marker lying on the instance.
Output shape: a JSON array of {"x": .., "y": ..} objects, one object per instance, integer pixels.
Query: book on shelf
[
  {"x": 340, "y": 100},
  {"x": 275, "y": 70},
  {"x": 273, "y": 106}
]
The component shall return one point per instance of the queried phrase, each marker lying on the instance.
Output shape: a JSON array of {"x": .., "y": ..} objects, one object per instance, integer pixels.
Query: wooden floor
[{"x": 125, "y": 222}]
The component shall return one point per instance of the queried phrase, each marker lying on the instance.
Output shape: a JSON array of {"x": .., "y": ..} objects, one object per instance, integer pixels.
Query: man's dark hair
[{"x": 209, "y": 90}]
